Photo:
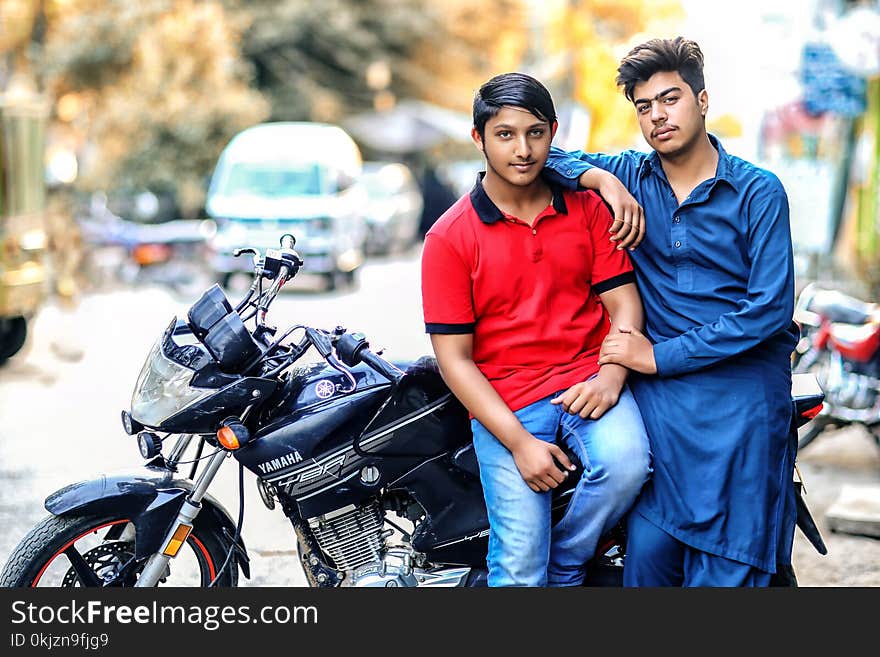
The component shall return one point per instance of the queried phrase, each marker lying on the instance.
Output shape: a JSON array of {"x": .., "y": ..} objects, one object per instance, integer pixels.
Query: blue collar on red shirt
[{"x": 489, "y": 213}]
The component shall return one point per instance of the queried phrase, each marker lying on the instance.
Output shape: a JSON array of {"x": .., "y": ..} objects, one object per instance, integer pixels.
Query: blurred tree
[
  {"x": 324, "y": 60},
  {"x": 595, "y": 35},
  {"x": 150, "y": 91}
]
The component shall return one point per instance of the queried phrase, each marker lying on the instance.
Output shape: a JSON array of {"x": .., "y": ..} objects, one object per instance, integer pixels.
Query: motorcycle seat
[{"x": 841, "y": 308}]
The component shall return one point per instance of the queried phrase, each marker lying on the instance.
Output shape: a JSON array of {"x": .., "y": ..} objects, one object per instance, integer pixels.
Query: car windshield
[{"x": 273, "y": 180}]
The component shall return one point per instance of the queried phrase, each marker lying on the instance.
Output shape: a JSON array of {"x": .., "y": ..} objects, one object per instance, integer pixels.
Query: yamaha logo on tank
[{"x": 325, "y": 389}]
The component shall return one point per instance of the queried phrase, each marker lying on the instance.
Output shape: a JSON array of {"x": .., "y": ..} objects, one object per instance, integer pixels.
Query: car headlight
[{"x": 163, "y": 386}]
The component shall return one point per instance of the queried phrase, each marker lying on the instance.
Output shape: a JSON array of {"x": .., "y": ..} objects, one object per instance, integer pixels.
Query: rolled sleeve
[{"x": 565, "y": 168}]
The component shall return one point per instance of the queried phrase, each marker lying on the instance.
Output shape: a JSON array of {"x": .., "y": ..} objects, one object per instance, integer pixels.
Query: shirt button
[
  {"x": 534, "y": 231},
  {"x": 677, "y": 244},
  {"x": 676, "y": 220},
  {"x": 569, "y": 170}
]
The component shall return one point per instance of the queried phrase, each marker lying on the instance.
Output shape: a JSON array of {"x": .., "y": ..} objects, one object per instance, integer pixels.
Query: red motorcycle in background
[{"x": 840, "y": 344}]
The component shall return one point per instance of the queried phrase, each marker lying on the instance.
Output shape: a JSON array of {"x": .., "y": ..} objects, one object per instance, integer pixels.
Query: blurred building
[{"x": 822, "y": 138}]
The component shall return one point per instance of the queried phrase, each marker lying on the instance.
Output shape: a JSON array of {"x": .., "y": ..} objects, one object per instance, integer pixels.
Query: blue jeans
[{"x": 524, "y": 550}]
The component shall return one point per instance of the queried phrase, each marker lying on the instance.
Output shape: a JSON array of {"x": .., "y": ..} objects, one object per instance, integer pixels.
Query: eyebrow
[
  {"x": 662, "y": 93},
  {"x": 507, "y": 126}
]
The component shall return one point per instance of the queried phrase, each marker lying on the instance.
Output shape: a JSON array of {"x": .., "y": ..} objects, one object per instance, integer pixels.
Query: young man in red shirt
[{"x": 518, "y": 281}]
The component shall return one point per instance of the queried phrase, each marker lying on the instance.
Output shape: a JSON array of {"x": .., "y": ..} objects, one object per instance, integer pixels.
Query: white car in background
[
  {"x": 394, "y": 206},
  {"x": 290, "y": 177}
]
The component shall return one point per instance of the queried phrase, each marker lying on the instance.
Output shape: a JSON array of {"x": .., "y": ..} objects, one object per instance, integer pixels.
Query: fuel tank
[{"x": 323, "y": 448}]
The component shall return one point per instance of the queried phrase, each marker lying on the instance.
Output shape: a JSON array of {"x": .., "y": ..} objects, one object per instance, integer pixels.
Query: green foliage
[
  {"x": 159, "y": 87},
  {"x": 147, "y": 93},
  {"x": 312, "y": 58}
]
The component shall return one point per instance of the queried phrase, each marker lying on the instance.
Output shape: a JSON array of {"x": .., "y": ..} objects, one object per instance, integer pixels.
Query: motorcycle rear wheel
[{"x": 69, "y": 551}]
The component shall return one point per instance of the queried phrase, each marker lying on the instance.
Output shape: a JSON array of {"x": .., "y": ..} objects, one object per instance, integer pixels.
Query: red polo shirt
[{"x": 528, "y": 294}]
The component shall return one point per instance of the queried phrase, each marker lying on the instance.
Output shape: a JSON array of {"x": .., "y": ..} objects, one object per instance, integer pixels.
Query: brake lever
[
  {"x": 323, "y": 343},
  {"x": 339, "y": 367}
]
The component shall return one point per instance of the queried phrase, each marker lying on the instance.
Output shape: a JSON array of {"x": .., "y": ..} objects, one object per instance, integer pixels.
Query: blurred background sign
[{"x": 828, "y": 85}]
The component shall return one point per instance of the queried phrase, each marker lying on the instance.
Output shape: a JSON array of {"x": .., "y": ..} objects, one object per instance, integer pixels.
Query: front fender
[{"x": 151, "y": 498}]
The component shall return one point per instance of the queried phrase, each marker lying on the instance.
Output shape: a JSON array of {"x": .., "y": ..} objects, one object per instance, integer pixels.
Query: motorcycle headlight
[{"x": 163, "y": 386}]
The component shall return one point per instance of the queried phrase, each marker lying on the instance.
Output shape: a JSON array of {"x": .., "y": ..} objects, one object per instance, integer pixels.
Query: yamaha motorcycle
[
  {"x": 353, "y": 448},
  {"x": 840, "y": 345}
]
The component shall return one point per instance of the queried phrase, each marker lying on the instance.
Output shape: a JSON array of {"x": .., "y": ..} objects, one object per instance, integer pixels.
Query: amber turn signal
[
  {"x": 232, "y": 435},
  {"x": 226, "y": 436}
]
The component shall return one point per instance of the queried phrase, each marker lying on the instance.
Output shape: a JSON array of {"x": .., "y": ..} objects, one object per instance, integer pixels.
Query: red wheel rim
[{"x": 199, "y": 545}]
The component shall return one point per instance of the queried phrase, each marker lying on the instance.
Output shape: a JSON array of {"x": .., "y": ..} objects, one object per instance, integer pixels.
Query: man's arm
[
  {"x": 765, "y": 311},
  {"x": 570, "y": 165},
  {"x": 594, "y": 397},
  {"x": 609, "y": 175},
  {"x": 533, "y": 457}
]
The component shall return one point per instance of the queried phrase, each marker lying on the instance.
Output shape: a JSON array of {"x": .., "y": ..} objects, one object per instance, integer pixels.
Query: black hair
[
  {"x": 512, "y": 90},
  {"x": 679, "y": 54}
]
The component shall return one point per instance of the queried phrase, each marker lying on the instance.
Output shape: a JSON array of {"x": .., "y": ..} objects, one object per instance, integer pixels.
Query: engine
[
  {"x": 351, "y": 536},
  {"x": 354, "y": 539},
  {"x": 856, "y": 391}
]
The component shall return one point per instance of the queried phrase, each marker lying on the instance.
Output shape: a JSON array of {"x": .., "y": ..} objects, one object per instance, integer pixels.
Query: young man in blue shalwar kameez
[{"x": 716, "y": 277}]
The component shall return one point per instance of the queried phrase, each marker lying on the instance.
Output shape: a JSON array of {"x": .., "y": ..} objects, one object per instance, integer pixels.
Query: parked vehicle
[
  {"x": 840, "y": 344},
  {"x": 23, "y": 235},
  {"x": 172, "y": 254},
  {"x": 290, "y": 177},
  {"x": 394, "y": 207},
  {"x": 342, "y": 445}
]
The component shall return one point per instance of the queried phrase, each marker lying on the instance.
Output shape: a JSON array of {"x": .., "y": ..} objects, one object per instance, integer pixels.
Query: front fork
[{"x": 157, "y": 564}]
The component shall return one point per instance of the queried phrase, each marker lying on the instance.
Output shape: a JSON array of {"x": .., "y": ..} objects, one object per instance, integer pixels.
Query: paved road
[{"x": 60, "y": 415}]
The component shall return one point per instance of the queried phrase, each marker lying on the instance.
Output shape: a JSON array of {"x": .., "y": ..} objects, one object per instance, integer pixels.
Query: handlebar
[
  {"x": 279, "y": 266},
  {"x": 353, "y": 348},
  {"x": 381, "y": 365}
]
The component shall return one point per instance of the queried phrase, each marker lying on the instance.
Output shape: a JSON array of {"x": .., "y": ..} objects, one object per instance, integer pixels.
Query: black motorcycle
[{"x": 355, "y": 450}]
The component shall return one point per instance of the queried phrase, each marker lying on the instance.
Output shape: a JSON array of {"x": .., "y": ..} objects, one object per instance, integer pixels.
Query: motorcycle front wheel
[{"x": 98, "y": 551}]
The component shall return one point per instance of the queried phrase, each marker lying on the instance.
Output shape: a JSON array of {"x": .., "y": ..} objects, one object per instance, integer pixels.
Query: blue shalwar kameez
[{"x": 716, "y": 278}]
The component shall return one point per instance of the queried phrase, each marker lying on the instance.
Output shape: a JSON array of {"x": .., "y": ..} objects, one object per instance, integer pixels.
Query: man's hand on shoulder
[
  {"x": 629, "y": 347},
  {"x": 592, "y": 398},
  {"x": 629, "y": 218}
]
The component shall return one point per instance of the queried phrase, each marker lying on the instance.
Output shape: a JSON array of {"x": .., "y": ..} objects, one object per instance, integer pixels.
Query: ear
[
  {"x": 703, "y": 102},
  {"x": 553, "y": 129},
  {"x": 478, "y": 141}
]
